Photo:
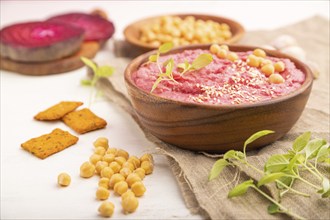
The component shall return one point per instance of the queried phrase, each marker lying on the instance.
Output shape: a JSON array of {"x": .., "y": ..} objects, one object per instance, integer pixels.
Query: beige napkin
[{"x": 210, "y": 198}]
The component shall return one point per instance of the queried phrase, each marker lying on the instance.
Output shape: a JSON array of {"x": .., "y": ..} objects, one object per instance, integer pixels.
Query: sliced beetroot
[
  {"x": 39, "y": 41},
  {"x": 96, "y": 28}
]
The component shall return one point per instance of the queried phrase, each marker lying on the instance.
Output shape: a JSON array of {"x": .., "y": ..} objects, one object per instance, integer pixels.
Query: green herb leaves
[
  {"x": 240, "y": 189},
  {"x": 200, "y": 62},
  {"x": 217, "y": 168}
]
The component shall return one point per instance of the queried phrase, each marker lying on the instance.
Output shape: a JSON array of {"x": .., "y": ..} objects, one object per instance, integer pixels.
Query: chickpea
[
  {"x": 115, "y": 166},
  {"x": 104, "y": 182},
  {"x": 95, "y": 158},
  {"x": 112, "y": 151},
  {"x": 268, "y": 69},
  {"x": 147, "y": 166},
  {"x": 130, "y": 204},
  {"x": 115, "y": 179},
  {"x": 101, "y": 142},
  {"x": 129, "y": 165},
  {"x": 232, "y": 56},
  {"x": 138, "y": 189},
  {"x": 253, "y": 60},
  {"x": 120, "y": 187},
  {"x": 63, "y": 179},
  {"x": 108, "y": 158},
  {"x": 259, "y": 53},
  {"x": 135, "y": 161},
  {"x": 279, "y": 66},
  {"x": 128, "y": 193},
  {"x": 102, "y": 193},
  {"x": 106, "y": 209},
  {"x": 222, "y": 53},
  {"x": 264, "y": 62},
  {"x": 107, "y": 172},
  {"x": 100, "y": 165},
  {"x": 125, "y": 171},
  {"x": 120, "y": 160},
  {"x": 141, "y": 172},
  {"x": 100, "y": 150},
  {"x": 214, "y": 49},
  {"x": 276, "y": 78},
  {"x": 132, "y": 178},
  {"x": 225, "y": 47},
  {"x": 87, "y": 170},
  {"x": 122, "y": 153}
]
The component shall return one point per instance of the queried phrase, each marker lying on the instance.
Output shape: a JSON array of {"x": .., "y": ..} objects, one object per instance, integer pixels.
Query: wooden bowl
[
  {"x": 217, "y": 128},
  {"x": 132, "y": 31}
]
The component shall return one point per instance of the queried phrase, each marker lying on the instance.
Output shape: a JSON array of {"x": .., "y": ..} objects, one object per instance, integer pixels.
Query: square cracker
[
  {"x": 83, "y": 121},
  {"x": 49, "y": 144},
  {"x": 57, "y": 111}
]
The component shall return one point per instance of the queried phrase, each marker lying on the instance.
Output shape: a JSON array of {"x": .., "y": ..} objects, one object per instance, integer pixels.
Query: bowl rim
[
  {"x": 143, "y": 58},
  {"x": 240, "y": 31}
]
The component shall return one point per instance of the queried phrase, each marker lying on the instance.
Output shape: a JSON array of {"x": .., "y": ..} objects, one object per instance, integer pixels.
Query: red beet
[
  {"x": 96, "y": 28},
  {"x": 39, "y": 41}
]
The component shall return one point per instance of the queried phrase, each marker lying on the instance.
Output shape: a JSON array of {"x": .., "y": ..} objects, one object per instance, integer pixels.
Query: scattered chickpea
[
  {"x": 106, "y": 209},
  {"x": 100, "y": 165},
  {"x": 108, "y": 158},
  {"x": 115, "y": 179},
  {"x": 147, "y": 157},
  {"x": 276, "y": 78},
  {"x": 107, "y": 172},
  {"x": 141, "y": 172},
  {"x": 100, "y": 150},
  {"x": 115, "y": 166},
  {"x": 279, "y": 66},
  {"x": 128, "y": 193},
  {"x": 112, "y": 151},
  {"x": 132, "y": 178},
  {"x": 214, "y": 48},
  {"x": 135, "y": 161},
  {"x": 120, "y": 187},
  {"x": 268, "y": 69},
  {"x": 147, "y": 166},
  {"x": 222, "y": 53},
  {"x": 129, "y": 165},
  {"x": 264, "y": 62},
  {"x": 87, "y": 170},
  {"x": 253, "y": 60},
  {"x": 130, "y": 203},
  {"x": 95, "y": 158},
  {"x": 120, "y": 160},
  {"x": 101, "y": 142},
  {"x": 259, "y": 53},
  {"x": 232, "y": 56},
  {"x": 138, "y": 189},
  {"x": 125, "y": 171},
  {"x": 63, "y": 179},
  {"x": 122, "y": 153},
  {"x": 102, "y": 193},
  {"x": 104, "y": 182}
]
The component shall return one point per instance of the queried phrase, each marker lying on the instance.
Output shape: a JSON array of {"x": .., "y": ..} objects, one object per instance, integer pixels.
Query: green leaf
[
  {"x": 202, "y": 61},
  {"x": 270, "y": 178},
  {"x": 164, "y": 48},
  {"x": 229, "y": 154},
  {"x": 300, "y": 143},
  {"x": 105, "y": 71},
  {"x": 326, "y": 194},
  {"x": 217, "y": 168},
  {"x": 154, "y": 86},
  {"x": 153, "y": 58},
  {"x": 313, "y": 147},
  {"x": 276, "y": 163},
  {"x": 326, "y": 160},
  {"x": 293, "y": 162},
  {"x": 273, "y": 209},
  {"x": 169, "y": 67},
  {"x": 184, "y": 67},
  {"x": 325, "y": 186},
  {"x": 86, "y": 82},
  {"x": 241, "y": 189},
  {"x": 288, "y": 181},
  {"x": 89, "y": 63},
  {"x": 255, "y": 136},
  {"x": 322, "y": 154}
]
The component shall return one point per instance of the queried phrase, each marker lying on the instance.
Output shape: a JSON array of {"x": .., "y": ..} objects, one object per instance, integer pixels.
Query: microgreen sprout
[
  {"x": 201, "y": 61},
  {"x": 98, "y": 73},
  {"x": 283, "y": 169}
]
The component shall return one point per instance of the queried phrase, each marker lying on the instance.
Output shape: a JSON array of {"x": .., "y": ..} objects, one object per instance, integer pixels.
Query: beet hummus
[{"x": 221, "y": 82}]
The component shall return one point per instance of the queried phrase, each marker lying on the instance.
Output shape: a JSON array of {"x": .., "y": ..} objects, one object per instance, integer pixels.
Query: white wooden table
[{"x": 28, "y": 185}]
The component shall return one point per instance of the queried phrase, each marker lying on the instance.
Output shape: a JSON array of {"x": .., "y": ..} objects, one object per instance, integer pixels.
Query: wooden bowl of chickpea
[
  {"x": 216, "y": 108},
  {"x": 183, "y": 29}
]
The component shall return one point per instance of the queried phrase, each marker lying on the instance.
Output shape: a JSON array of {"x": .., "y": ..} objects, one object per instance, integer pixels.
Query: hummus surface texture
[{"x": 220, "y": 82}]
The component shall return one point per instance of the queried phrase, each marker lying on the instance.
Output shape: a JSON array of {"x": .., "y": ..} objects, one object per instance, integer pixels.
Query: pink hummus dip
[{"x": 221, "y": 82}]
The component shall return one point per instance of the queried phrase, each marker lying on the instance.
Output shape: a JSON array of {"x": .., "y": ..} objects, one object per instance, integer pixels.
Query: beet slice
[
  {"x": 39, "y": 41},
  {"x": 96, "y": 28}
]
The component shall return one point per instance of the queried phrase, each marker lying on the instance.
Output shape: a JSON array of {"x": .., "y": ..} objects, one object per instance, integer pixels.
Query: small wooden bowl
[
  {"x": 217, "y": 128},
  {"x": 132, "y": 31}
]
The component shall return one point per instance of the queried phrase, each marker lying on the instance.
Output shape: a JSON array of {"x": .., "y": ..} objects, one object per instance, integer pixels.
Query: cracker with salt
[
  {"x": 83, "y": 121},
  {"x": 49, "y": 144},
  {"x": 57, "y": 111}
]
